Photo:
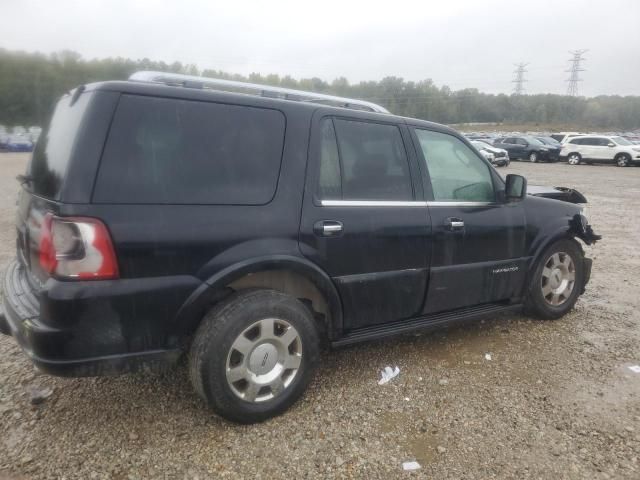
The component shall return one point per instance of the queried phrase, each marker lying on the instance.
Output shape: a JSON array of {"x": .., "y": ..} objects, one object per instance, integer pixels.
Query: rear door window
[
  {"x": 169, "y": 151},
  {"x": 363, "y": 161}
]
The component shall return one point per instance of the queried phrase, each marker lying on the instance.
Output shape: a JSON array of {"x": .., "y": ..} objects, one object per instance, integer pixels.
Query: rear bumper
[{"x": 72, "y": 349}]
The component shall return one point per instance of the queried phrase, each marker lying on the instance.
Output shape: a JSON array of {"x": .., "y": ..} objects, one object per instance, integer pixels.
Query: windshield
[{"x": 621, "y": 141}]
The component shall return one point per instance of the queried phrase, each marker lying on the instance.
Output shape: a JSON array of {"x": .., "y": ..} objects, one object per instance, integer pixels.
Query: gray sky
[{"x": 460, "y": 43}]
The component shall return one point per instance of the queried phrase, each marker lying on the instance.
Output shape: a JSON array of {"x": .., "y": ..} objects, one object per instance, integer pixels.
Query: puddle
[
  {"x": 420, "y": 442},
  {"x": 424, "y": 447}
]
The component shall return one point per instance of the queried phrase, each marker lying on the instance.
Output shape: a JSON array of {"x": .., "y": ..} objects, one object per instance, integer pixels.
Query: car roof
[{"x": 186, "y": 93}]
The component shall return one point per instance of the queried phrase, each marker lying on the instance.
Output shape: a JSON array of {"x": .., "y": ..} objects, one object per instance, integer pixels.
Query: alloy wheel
[
  {"x": 622, "y": 161},
  {"x": 574, "y": 159},
  {"x": 558, "y": 278},
  {"x": 264, "y": 360}
]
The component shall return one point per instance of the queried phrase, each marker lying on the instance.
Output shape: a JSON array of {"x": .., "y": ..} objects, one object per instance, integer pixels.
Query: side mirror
[
  {"x": 611, "y": 145},
  {"x": 515, "y": 188}
]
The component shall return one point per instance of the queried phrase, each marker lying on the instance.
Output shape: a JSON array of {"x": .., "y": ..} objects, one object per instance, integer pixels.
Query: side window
[
  {"x": 603, "y": 142},
  {"x": 329, "y": 181},
  {"x": 576, "y": 141},
  {"x": 508, "y": 140},
  {"x": 363, "y": 161},
  {"x": 521, "y": 141},
  {"x": 457, "y": 173},
  {"x": 163, "y": 151},
  {"x": 589, "y": 141}
]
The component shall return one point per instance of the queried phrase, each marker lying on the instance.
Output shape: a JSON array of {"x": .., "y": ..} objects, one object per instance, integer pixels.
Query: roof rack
[{"x": 192, "y": 81}]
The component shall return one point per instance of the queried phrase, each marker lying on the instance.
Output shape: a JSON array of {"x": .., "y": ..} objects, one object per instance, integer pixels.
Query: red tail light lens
[{"x": 75, "y": 247}]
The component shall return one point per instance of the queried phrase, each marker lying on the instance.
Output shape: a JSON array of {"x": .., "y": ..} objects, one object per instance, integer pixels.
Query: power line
[
  {"x": 519, "y": 72},
  {"x": 574, "y": 77}
]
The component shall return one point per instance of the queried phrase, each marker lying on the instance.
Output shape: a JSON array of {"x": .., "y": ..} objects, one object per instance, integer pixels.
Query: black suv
[
  {"x": 161, "y": 219},
  {"x": 528, "y": 148}
]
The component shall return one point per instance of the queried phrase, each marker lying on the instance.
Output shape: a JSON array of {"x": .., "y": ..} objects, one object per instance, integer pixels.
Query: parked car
[
  {"x": 18, "y": 143},
  {"x": 600, "y": 149},
  {"x": 497, "y": 156},
  {"x": 162, "y": 218},
  {"x": 529, "y": 148}
]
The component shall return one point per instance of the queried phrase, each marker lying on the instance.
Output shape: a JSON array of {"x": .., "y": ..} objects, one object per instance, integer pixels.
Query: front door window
[{"x": 457, "y": 173}]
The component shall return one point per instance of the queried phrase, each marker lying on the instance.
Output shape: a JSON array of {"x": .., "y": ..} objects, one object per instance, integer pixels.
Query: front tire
[
  {"x": 533, "y": 157},
  {"x": 623, "y": 160},
  {"x": 254, "y": 355},
  {"x": 557, "y": 280}
]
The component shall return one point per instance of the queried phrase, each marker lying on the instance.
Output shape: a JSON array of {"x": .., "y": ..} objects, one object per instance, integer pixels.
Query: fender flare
[
  {"x": 213, "y": 289},
  {"x": 577, "y": 227}
]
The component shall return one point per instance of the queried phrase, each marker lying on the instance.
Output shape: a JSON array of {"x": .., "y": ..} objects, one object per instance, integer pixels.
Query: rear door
[
  {"x": 478, "y": 241},
  {"x": 364, "y": 218},
  {"x": 586, "y": 147},
  {"x": 509, "y": 144}
]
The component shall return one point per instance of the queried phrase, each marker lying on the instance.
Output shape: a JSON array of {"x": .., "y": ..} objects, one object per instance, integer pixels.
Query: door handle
[
  {"x": 328, "y": 228},
  {"x": 454, "y": 224}
]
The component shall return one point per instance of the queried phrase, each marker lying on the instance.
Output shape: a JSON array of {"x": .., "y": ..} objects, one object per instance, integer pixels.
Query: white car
[
  {"x": 497, "y": 156},
  {"x": 600, "y": 149}
]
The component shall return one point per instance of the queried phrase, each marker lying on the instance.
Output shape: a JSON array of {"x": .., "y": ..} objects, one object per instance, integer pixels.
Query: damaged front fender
[
  {"x": 557, "y": 193},
  {"x": 579, "y": 226}
]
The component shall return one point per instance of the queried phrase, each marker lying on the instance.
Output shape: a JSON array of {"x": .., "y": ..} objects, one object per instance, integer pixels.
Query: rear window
[
  {"x": 190, "y": 152},
  {"x": 55, "y": 146}
]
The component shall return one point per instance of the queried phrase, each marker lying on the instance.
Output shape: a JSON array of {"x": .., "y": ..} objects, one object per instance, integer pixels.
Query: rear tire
[
  {"x": 533, "y": 157},
  {"x": 254, "y": 355},
  {"x": 623, "y": 160},
  {"x": 557, "y": 280},
  {"x": 574, "y": 159}
]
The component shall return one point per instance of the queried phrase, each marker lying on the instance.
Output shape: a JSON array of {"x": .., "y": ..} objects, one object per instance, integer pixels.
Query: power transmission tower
[
  {"x": 575, "y": 61},
  {"x": 519, "y": 72}
]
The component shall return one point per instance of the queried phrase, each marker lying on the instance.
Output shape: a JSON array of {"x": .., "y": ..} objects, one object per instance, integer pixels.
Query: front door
[
  {"x": 364, "y": 219},
  {"x": 478, "y": 241}
]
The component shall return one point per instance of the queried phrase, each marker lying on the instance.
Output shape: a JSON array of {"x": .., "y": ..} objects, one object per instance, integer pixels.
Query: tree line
[{"x": 30, "y": 83}]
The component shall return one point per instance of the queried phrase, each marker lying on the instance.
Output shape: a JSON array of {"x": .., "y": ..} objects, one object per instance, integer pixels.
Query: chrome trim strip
[
  {"x": 371, "y": 203},
  {"x": 460, "y": 204},
  {"x": 393, "y": 203}
]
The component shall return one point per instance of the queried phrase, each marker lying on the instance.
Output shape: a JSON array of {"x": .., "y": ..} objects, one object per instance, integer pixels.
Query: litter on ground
[
  {"x": 387, "y": 374},
  {"x": 410, "y": 465}
]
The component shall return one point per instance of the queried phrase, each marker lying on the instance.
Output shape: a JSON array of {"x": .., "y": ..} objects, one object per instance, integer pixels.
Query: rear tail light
[{"x": 74, "y": 247}]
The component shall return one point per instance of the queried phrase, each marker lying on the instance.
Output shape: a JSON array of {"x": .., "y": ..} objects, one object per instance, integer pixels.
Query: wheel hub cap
[
  {"x": 558, "y": 278},
  {"x": 264, "y": 360}
]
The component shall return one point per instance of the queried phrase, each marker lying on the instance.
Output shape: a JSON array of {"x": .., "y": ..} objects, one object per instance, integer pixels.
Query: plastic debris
[
  {"x": 635, "y": 368},
  {"x": 410, "y": 465},
  {"x": 406, "y": 399},
  {"x": 38, "y": 395},
  {"x": 487, "y": 356},
  {"x": 387, "y": 374}
]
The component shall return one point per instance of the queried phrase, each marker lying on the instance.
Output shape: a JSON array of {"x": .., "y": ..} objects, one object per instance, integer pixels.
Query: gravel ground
[{"x": 556, "y": 400}]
